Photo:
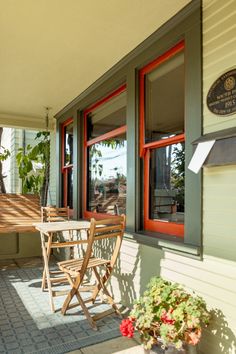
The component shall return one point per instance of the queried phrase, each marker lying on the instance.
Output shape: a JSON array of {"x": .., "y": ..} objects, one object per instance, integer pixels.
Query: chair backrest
[
  {"x": 53, "y": 214},
  {"x": 110, "y": 228}
]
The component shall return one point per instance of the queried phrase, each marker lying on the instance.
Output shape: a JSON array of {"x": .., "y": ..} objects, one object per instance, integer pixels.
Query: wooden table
[{"x": 48, "y": 230}]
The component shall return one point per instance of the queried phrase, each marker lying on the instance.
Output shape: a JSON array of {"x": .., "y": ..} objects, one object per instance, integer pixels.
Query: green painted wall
[
  {"x": 214, "y": 275},
  {"x": 20, "y": 245}
]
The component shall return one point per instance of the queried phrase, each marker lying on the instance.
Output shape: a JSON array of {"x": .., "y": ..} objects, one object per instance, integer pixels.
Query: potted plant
[{"x": 168, "y": 318}]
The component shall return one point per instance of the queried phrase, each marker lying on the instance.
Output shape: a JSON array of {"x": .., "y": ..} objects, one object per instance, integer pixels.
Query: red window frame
[
  {"x": 170, "y": 228},
  {"x": 88, "y": 143},
  {"x": 65, "y": 168}
]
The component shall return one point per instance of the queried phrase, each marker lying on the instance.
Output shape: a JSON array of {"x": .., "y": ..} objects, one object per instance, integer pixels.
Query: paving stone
[
  {"x": 55, "y": 342},
  {"x": 18, "y": 325},
  {"x": 14, "y": 351},
  {"x": 35, "y": 333},
  {"x": 24, "y": 342},
  {"x": 51, "y": 336},
  {"x": 8, "y": 339},
  {"x": 20, "y": 330},
  {"x": 49, "y": 330},
  {"x": 6, "y": 327},
  {"x": 2, "y": 349},
  {"x": 6, "y": 333},
  {"x": 5, "y": 319},
  {"x": 65, "y": 333},
  {"x": 28, "y": 349},
  {"x": 39, "y": 339},
  {"x": 23, "y": 335},
  {"x": 12, "y": 345},
  {"x": 70, "y": 338},
  {"x": 44, "y": 345},
  {"x": 32, "y": 326}
]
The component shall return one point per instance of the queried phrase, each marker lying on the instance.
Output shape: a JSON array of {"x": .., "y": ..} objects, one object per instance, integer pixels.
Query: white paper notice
[{"x": 200, "y": 155}]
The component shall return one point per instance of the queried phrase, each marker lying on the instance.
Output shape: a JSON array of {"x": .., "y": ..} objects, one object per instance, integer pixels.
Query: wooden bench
[{"x": 18, "y": 212}]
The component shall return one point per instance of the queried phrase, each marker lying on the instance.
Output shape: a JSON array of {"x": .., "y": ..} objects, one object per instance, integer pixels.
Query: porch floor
[{"x": 27, "y": 324}]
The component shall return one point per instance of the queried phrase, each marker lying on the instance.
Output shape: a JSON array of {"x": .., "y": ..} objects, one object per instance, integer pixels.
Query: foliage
[
  {"x": 96, "y": 154},
  {"x": 167, "y": 313},
  {"x": 4, "y": 153},
  {"x": 178, "y": 174},
  {"x": 35, "y": 180}
]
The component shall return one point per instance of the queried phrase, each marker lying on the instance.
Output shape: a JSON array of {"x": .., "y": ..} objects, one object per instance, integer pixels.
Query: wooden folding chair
[
  {"x": 54, "y": 214},
  {"x": 75, "y": 269}
]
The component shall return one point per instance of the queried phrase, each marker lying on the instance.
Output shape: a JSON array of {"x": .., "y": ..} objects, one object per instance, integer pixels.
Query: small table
[{"x": 49, "y": 229}]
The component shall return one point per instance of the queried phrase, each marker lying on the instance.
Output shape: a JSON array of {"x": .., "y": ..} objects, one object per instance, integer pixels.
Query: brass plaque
[{"x": 221, "y": 98}]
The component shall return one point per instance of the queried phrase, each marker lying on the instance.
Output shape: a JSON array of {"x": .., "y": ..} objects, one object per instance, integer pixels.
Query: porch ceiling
[{"x": 52, "y": 50}]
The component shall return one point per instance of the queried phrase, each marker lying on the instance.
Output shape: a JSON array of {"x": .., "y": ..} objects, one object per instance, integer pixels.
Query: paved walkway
[
  {"x": 113, "y": 346},
  {"x": 28, "y": 326}
]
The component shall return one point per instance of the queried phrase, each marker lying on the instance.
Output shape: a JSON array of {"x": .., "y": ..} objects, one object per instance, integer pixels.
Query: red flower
[
  {"x": 127, "y": 328},
  {"x": 166, "y": 317}
]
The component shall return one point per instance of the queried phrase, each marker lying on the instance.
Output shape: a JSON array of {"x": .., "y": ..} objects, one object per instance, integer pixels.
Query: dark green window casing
[{"x": 185, "y": 26}]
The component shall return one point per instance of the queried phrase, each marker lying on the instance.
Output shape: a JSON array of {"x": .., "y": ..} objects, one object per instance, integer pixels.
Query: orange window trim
[
  {"x": 87, "y": 143},
  {"x": 145, "y": 70},
  {"x": 63, "y": 126},
  {"x": 108, "y": 135},
  {"x": 170, "y": 228},
  {"x": 64, "y": 168},
  {"x": 98, "y": 104}
]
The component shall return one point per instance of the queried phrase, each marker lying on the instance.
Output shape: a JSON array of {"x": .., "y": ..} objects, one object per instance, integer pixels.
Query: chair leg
[
  {"x": 86, "y": 312},
  {"x": 101, "y": 285},
  {"x": 47, "y": 277},
  {"x": 74, "y": 292}
]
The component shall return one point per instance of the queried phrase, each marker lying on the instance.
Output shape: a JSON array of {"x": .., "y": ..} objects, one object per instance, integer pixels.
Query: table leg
[
  {"x": 46, "y": 273},
  {"x": 47, "y": 251}
]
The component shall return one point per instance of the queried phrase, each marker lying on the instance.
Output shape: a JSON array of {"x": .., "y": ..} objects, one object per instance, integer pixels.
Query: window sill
[{"x": 164, "y": 242}]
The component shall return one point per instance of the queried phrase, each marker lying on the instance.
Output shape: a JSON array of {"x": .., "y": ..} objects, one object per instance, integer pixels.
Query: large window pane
[
  {"x": 107, "y": 117},
  {"x": 164, "y": 100},
  {"x": 167, "y": 183},
  {"x": 107, "y": 176},
  {"x": 68, "y": 136}
]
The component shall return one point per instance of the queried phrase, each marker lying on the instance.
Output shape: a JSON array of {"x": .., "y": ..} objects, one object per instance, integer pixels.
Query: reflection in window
[
  {"x": 107, "y": 176},
  {"x": 68, "y": 152},
  {"x": 107, "y": 117},
  {"x": 67, "y": 163},
  {"x": 167, "y": 183},
  {"x": 164, "y": 100},
  {"x": 68, "y": 188}
]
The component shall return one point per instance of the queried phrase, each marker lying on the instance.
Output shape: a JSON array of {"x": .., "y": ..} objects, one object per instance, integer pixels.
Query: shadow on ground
[{"x": 28, "y": 326}]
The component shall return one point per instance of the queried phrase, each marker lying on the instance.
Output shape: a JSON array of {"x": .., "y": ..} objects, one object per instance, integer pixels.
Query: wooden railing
[{"x": 18, "y": 212}]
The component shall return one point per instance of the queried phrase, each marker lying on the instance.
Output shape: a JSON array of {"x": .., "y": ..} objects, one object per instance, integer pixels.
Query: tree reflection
[{"x": 107, "y": 176}]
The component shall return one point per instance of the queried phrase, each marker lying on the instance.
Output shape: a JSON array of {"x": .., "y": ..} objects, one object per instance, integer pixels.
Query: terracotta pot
[{"x": 157, "y": 349}]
